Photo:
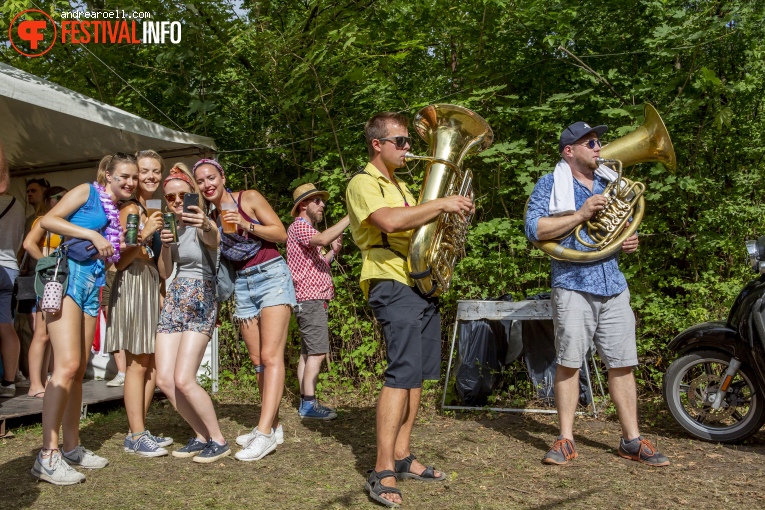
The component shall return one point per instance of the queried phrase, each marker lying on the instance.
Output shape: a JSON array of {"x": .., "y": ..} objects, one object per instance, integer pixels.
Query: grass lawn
[{"x": 492, "y": 461}]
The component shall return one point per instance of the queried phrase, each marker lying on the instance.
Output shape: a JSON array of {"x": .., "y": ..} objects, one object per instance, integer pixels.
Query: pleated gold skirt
[{"x": 134, "y": 309}]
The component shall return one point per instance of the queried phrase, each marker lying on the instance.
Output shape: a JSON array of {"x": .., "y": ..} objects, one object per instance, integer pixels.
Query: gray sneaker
[
  {"x": 192, "y": 448},
  {"x": 212, "y": 452},
  {"x": 84, "y": 458},
  {"x": 641, "y": 450},
  {"x": 146, "y": 446},
  {"x": 562, "y": 451},
  {"x": 8, "y": 391},
  {"x": 245, "y": 438},
  {"x": 162, "y": 441},
  {"x": 56, "y": 471}
]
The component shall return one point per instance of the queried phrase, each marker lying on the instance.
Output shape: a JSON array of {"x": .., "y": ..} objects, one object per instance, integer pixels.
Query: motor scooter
[{"x": 715, "y": 389}]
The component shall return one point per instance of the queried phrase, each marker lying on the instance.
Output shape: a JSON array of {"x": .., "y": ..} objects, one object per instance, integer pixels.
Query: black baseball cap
[{"x": 577, "y": 130}]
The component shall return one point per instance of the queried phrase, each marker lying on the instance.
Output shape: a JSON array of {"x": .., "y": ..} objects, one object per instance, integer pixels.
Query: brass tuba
[
  {"x": 608, "y": 227},
  {"x": 451, "y": 132}
]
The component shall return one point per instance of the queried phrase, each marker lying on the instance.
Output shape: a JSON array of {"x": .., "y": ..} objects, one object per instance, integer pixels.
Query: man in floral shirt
[{"x": 313, "y": 288}]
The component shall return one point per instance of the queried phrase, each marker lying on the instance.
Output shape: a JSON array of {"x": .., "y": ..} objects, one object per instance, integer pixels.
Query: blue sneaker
[
  {"x": 145, "y": 446},
  {"x": 212, "y": 452},
  {"x": 315, "y": 411},
  {"x": 161, "y": 440},
  {"x": 192, "y": 448}
]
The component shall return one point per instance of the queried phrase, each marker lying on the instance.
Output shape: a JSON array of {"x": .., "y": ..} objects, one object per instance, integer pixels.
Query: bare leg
[
  {"x": 135, "y": 379},
  {"x": 73, "y": 411},
  {"x": 38, "y": 356},
  {"x": 621, "y": 386},
  {"x": 10, "y": 347},
  {"x": 149, "y": 385},
  {"x": 165, "y": 356},
  {"x": 66, "y": 336},
  {"x": 274, "y": 323},
  {"x": 121, "y": 361},
  {"x": 404, "y": 438},
  {"x": 310, "y": 373},
  {"x": 391, "y": 408},
  {"x": 301, "y": 372},
  {"x": 190, "y": 354},
  {"x": 566, "y": 398}
]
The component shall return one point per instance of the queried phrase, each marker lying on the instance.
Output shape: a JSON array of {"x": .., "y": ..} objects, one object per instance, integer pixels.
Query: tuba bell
[
  {"x": 625, "y": 209},
  {"x": 451, "y": 132}
]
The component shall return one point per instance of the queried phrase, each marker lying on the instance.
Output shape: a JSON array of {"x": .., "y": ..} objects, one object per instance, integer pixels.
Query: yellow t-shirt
[
  {"x": 365, "y": 195},
  {"x": 55, "y": 239}
]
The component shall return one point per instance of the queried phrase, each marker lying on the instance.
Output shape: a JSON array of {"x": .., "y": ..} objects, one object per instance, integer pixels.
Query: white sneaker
[
  {"x": 8, "y": 391},
  {"x": 84, "y": 458},
  {"x": 258, "y": 447},
  {"x": 119, "y": 380},
  {"x": 55, "y": 471},
  {"x": 21, "y": 381},
  {"x": 245, "y": 438}
]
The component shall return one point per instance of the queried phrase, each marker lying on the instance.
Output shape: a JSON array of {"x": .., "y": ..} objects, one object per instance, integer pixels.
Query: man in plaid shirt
[{"x": 313, "y": 288}]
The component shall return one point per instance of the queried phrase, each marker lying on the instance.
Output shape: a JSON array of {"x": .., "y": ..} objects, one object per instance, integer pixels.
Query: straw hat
[{"x": 304, "y": 192}]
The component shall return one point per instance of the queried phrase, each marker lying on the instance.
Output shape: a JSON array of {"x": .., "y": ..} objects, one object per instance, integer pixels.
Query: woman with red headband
[
  {"x": 187, "y": 320},
  {"x": 263, "y": 292}
]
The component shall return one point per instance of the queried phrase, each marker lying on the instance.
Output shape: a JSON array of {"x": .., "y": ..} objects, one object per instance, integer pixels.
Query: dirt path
[{"x": 492, "y": 461}]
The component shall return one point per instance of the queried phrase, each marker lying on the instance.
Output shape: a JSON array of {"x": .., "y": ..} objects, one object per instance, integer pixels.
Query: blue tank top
[{"x": 91, "y": 214}]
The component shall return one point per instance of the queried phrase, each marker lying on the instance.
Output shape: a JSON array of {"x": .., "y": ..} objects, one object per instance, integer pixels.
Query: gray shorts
[
  {"x": 581, "y": 318},
  {"x": 314, "y": 326},
  {"x": 7, "y": 279}
]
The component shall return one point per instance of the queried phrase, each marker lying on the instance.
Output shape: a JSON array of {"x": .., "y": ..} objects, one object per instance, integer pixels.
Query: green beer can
[
  {"x": 169, "y": 219},
  {"x": 131, "y": 230}
]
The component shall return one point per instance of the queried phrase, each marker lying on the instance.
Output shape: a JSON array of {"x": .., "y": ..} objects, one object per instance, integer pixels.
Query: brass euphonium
[
  {"x": 451, "y": 132},
  {"x": 608, "y": 228}
]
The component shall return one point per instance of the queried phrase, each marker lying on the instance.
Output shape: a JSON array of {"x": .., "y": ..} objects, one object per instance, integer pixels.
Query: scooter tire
[{"x": 751, "y": 422}]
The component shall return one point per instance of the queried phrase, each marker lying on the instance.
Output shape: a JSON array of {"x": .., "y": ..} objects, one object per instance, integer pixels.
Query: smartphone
[{"x": 190, "y": 199}]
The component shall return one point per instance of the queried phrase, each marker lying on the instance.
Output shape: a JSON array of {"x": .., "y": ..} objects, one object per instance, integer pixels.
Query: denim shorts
[
  {"x": 261, "y": 286},
  {"x": 85, "y": 282},
  {"x": 411, "y": 325},
  {"x": 581, "y": 318},
  {"x": 7, "y": 278}
]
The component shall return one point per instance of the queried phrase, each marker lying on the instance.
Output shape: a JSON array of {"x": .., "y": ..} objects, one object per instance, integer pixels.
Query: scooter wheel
[{"x": 690, "y": 386}]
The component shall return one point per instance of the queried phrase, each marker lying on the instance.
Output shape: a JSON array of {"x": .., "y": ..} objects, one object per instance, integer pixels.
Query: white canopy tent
[{"x": 55, "y": 133}]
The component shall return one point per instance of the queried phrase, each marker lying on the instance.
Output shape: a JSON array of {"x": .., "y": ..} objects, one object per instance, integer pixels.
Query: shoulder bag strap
[{"x": 13, "y": 201}]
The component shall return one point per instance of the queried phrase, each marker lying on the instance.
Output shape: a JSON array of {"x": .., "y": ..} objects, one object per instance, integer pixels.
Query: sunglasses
[
  {"x": 591, "y": 143},
  {"x": 400, "y": 141},
  {"x": 170, "y": 197},
  {"x": 57, "y": 197},
  {"x": 317, "y": 200}
]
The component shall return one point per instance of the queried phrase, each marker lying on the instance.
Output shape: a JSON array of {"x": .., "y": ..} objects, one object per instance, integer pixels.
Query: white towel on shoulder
[{"x": 562, "y": 200}]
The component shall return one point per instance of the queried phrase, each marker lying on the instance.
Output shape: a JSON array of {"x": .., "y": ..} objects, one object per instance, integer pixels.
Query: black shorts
[{"x": 411, "y": 326}]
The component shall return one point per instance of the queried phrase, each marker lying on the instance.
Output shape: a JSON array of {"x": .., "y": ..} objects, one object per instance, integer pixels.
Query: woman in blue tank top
[{"x": 87, "y": 212}]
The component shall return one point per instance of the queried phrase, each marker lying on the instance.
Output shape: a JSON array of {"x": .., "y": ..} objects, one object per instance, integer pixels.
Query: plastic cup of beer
[
  {"x": 228, "y": 228},
  {"x": 153, "y": 206}
]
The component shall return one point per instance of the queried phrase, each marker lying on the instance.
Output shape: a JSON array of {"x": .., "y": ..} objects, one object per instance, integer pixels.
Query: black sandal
[
  {"x": 403, "y": 471},
  {"x": 376, "y": 489}
]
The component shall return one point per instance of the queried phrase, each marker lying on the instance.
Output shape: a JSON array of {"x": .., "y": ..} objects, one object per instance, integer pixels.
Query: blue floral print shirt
[{"x": 601, "y": 278}]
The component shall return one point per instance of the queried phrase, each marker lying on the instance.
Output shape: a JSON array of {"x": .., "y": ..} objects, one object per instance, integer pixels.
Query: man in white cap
[
  {"x": 590, "y": 301},
  {"x": 311, "y": 275}
]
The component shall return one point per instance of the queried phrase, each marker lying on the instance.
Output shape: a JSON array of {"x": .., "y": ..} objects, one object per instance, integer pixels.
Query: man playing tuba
[
  {"x": 590, "y": 301},
  {"x": 383, "y": 214}
]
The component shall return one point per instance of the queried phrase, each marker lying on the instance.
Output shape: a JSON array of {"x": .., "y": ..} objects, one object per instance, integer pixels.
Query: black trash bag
[
  {"x": 539, "y": 354},
  {"x": 482, "y": 351}
]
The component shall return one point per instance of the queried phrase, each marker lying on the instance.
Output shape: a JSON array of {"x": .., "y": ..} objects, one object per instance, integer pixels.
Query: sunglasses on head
[
  {"x": 591, "y": 143},
  {"x": 170, "y": 197},
  {"x": 400, "y": 141},
  {"x": 58, "y": 197}
]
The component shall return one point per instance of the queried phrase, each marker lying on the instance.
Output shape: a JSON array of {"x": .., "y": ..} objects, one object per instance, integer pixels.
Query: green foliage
[{"x": 285, "y": 87}]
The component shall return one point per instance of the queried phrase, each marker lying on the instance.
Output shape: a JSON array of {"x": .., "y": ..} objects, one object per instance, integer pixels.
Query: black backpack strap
[{"x": 13, "y": 201}]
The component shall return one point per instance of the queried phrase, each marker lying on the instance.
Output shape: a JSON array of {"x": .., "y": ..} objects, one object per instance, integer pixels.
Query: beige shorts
[{"x": 581, "y": 318}]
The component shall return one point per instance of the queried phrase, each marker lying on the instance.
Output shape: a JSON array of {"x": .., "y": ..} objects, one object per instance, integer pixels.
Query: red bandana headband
[{"x": 176, "y": 173}]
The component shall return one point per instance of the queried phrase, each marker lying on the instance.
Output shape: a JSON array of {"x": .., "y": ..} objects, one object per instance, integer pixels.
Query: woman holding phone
[
  {"x": 88, "y": 212},
  {"x": 187, "y": 320},
  {"x": 134, "y": 309},
  {"x": 264, "y": 295}
]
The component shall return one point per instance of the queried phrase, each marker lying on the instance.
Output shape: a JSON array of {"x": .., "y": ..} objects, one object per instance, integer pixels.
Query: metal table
[{"x": 473, "y": 310}]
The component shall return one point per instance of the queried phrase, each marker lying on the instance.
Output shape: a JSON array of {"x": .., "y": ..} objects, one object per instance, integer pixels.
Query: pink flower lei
[{"x": 113, "y": 228}]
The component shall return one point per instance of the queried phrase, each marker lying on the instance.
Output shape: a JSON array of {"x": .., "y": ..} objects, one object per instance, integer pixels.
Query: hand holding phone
[{"x": 190, "y": 199}]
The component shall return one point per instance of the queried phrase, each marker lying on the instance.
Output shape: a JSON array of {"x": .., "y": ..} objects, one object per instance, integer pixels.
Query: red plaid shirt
[{"x": 310, "y": 271}]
